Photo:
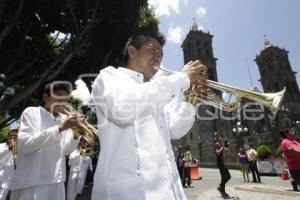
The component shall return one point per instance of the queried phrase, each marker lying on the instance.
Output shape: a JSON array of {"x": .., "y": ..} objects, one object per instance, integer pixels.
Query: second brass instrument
[{"x": 86, "y": 130}]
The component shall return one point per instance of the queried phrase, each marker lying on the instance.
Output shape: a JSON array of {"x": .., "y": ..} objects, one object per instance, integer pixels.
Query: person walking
[
  {"x": 222, "y": 146},
  {"x": 7, "y": 164},
  {"x": 291, "y": 150},
  {"x": 139, "y": 114},
  {"x": 252, "y": 156},
  {"x": 44, "y": 139},
  {"x": 243, "y": 163}
]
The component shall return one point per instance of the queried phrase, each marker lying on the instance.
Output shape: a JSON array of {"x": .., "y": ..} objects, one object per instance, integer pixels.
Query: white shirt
[
  {"x": 86, "y": 164},
  {"x": 6, "y": 163},
  {"x": 251, "y": 154},
  {"x": 136, "y": 124},
  {"x": 75, "y": 161},
  {"x": 41, "y": 149}
]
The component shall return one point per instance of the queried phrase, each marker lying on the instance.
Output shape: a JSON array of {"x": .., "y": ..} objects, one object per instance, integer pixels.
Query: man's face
[
  {"x": 56, "y": 101},
  {"x": 12, "y": 138},
  {"x": 291, "y": 135},
  {"x": 148, "y": 57}
]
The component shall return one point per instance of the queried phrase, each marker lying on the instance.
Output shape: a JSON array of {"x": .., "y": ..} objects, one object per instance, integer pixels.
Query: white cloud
[
  {"x": 165, "y": 7},
  {"x": 81, "y": 92},
  {"x": 174, "y": 34},
  {"x": 200, "y": 12}
]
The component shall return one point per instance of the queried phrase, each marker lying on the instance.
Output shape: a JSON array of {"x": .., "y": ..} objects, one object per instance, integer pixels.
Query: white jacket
[
  {"x": 41, "y": 149},
  {"x": 6, "y": 163},
  {"x": 136, "y": 124},
  {"x": 75, "y": 162}
]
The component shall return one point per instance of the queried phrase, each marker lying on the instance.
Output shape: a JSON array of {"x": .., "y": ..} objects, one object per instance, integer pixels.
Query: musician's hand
[
  {"x": 196, "y": 72},
  {"x": 72, "y": 121}
]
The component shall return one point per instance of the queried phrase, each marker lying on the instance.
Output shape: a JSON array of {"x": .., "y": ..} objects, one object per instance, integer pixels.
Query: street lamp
[{"x": 239, "y": 129}]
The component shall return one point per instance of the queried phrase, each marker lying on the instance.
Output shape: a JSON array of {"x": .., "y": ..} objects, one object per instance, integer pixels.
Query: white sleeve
[
  {"x": 180, "y": 117},
  {"x": 70, "y": 144},
  {"x": 123, "y": 104},
  {"x": 29, "y": 138}
]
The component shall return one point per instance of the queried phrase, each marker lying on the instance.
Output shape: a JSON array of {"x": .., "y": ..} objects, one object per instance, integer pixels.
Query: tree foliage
[
  {"x": 264, "y": 152},
  {"x": 4, "y": 133},
  {"x": 33, "y": 51}
]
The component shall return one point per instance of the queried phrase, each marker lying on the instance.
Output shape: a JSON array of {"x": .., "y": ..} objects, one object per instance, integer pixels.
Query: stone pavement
[
  {"x": 271, "y": 188},
  {"x": 251, "y": 192}
]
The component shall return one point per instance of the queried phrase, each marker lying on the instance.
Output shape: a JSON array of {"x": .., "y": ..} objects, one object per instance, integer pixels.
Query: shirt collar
[
  {"x": 58, "y": 118},
  {"x": 138, "y": 77}
]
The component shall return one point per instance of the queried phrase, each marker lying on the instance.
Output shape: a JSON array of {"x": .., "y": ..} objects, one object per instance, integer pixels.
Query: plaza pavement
[{"x": 271, "y": 188}]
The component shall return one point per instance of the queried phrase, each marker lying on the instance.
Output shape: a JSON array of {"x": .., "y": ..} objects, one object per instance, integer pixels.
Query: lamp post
[{"x": 239, "y": 129}]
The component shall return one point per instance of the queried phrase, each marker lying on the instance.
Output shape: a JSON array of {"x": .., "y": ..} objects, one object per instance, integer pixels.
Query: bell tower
[
  {"x": 276, "y": 73},
  {"x": 198, "y": 46}
]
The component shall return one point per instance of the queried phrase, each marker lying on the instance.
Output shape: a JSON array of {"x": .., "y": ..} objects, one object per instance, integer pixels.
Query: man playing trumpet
[
  {"x": 44, "y": 138},
  {"x": 138, "y": 116},
  {"x": 7, "y": 165}
]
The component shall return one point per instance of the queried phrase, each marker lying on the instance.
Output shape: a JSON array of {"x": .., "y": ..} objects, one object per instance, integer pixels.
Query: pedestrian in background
[
  {"x": 220, "y": 147},
  {"x": 291, "y": 149},
  {"x": 243, "y": 163},
  {"x": 252, "y": 156},
  {"x": 187, "y": 158}
]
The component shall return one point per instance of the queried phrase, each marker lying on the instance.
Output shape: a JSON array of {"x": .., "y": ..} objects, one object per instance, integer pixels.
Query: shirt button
[{"x": 173, "y": 95}]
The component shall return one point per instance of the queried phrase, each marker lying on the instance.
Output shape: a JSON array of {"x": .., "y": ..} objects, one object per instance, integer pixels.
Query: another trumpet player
[
  {"x": 86, "y": 165},
  {"x": 44, "y": 138},
  {"x": 7, "y": 162},
  {"x": 75, "y": 160},
  {"x": 138, "y": 115}
]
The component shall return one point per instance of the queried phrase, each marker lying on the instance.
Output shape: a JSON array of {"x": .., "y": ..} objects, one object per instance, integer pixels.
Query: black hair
[
  {"x": 284, "y": 133},
  {"x": 220, "y": 136},
  {"x": 10, "y": 133},
  {"x": 54, "y": 86},
  {"x": 139, "y": 39},
  {"x": 13, "y": 131}
]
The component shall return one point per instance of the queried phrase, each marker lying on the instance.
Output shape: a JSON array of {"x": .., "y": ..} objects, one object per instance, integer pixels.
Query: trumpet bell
[{"x": 272, "y": 101}]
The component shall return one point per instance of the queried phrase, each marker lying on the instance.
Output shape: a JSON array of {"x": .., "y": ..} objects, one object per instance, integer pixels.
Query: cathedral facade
[{"x": 276, "y": 73}]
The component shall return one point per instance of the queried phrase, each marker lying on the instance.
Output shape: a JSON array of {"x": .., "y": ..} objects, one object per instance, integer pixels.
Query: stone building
[{"x": 276, "y": 73}]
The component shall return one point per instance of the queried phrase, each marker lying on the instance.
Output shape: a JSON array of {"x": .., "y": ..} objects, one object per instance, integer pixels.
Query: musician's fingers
[
  {"x": 202, "y": 93},
  {"x": 190, "y": 62},
  {"x": 196, "y": 63}
]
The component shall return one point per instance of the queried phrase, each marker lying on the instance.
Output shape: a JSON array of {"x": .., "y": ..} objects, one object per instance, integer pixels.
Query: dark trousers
[
  {"x": 180, "y": 172},
  {"x": 186, "y": 176},
  {"x": 225, "y": 176},
  {"x": 295, "y": 174},
  {"x": 254, "y": 171},
  {"x": 295, "y": 186}
]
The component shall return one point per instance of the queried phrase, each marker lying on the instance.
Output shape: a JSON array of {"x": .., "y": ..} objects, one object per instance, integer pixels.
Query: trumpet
[
  {"x": 14, "y": 148},
  {"x": 85, "y": 130},
  {"x": 272, "y": 101},
  {"x": 86, "y": 151}
]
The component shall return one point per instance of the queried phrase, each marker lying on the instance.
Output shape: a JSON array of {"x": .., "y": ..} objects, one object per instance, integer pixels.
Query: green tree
[
  {"x": 279, "y": 151},
  {"x": 4, "y": 133},
  {"x": 95, "y": 33}
]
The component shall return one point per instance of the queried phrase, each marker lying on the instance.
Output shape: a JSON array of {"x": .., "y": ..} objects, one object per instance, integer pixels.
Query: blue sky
[{"x": 238, "y": 27}]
